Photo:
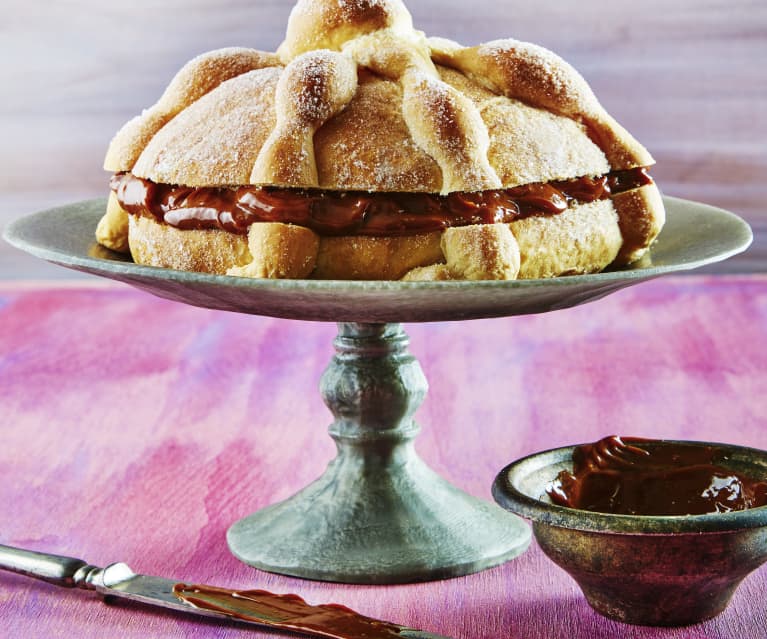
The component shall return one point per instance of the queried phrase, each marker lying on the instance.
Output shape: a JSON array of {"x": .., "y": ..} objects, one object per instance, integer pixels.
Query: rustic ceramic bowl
[{"x": 648, "y": 570}]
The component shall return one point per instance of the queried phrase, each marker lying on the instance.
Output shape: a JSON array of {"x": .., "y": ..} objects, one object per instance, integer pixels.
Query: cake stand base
[{"x": 378, "y": 514}]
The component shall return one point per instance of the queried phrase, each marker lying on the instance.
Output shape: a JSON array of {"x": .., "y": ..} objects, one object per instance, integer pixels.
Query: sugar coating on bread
[
  {"x": 539, "y": 77},
  {"x": 313, "y": 87},
  {"x": 449, "y": 127},
  {"x": 355, "y": 98},
  {"x": 481, "y": 252},
  {"x": 329, "y": 25},
  {"x": 279, "y": 251},
  {"x": 526, "y": 144},
  {"x": 583, "y": 239},
  {"x": 352, "y": 155},
  {"x": 166, "y": 246},
  {"x": 328, "y": 44},
  {"x": 216, "y": 140},
  {"x": 198, "y": 77}
]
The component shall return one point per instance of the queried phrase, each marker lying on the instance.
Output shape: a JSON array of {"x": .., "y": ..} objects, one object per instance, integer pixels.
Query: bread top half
[{"x": 356, "y": 99}]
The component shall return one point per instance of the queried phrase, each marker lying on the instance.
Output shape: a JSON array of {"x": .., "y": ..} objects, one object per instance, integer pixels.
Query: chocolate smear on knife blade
[{"x": 288, "y": 612}]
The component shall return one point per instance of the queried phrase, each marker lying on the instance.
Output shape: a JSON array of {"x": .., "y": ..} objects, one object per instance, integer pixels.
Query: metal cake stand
[{"x": 378, "y": 514}]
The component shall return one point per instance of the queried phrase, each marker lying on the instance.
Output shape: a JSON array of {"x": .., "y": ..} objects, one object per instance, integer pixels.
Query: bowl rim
[{"x": 507, "y": 494}]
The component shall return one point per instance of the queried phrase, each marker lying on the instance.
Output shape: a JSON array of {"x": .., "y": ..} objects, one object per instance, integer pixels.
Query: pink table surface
[{"x": 137, "y": 429}]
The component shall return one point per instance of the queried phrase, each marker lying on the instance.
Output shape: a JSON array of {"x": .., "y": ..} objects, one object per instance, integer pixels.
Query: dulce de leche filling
[
  {"x": 628, "y": 477},
  {"x": 234, "y": 209}
]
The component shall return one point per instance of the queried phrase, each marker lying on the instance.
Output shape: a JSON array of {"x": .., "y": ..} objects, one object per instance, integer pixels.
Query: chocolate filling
[
  {"x": 287, "y": 612},
  {"x": 621, "y": 476},
  {"x": 234, "y": 209}
]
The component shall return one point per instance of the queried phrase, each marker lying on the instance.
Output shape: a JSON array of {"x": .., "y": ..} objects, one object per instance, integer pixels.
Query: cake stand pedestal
[{"x": 378, "y": 514}]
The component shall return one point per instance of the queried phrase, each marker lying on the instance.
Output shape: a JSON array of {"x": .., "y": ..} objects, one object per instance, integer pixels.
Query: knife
[{"x": 258, "y": 607}]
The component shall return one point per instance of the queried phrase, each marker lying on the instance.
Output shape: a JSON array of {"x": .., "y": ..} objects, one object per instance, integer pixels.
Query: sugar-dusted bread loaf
[{"x": 362, "y": 149}]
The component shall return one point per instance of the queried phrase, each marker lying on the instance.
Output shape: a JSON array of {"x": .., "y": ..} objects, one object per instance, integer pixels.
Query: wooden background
[{"x": 687, "y": 77}]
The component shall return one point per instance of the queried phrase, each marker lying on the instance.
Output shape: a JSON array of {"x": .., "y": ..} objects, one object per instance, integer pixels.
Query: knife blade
[{"x": 256, "y": 607}]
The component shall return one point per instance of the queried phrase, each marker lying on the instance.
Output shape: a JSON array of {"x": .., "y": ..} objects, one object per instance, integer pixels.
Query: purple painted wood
[{"x": 138, "y": 429}]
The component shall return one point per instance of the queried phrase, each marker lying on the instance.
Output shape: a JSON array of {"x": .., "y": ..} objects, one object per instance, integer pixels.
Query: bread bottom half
[{"x": 584, "y": 239}]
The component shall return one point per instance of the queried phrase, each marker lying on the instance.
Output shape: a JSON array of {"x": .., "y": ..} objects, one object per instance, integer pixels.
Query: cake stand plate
[{"x": 378, "y": 514}]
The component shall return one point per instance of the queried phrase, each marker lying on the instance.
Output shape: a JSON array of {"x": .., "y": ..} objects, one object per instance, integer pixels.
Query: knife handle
[{"x": 55, "y": 569}]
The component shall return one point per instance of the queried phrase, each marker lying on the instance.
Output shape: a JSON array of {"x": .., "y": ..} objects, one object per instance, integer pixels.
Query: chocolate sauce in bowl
[
  {"x": 619, "y": 475},
  {"x": 234, "y": 209},
  {"x": 287, "y": 612}
]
